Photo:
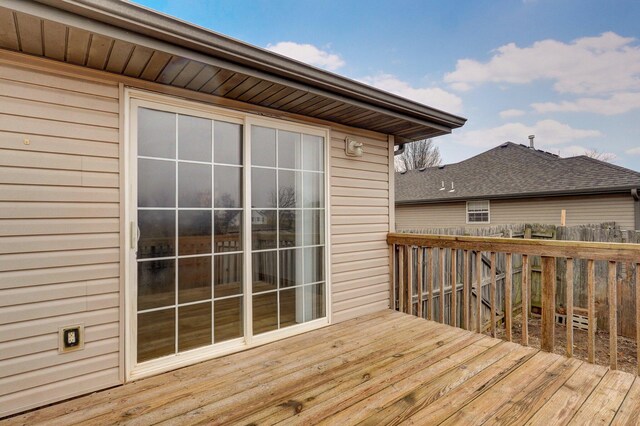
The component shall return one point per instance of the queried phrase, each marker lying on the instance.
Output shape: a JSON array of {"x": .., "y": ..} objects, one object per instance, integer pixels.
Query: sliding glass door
[{"x": 201, "y": 276}]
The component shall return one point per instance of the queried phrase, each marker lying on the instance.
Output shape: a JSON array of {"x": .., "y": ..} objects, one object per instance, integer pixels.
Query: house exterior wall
[
  {"x": 61, "y": 224},
  {"x": 59, "y": 235},
  {"x": 580, "y": 210},
  {"x": 359, "y": 227}
]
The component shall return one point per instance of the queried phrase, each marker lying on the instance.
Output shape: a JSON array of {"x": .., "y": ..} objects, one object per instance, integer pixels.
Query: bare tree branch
[
  {"x": 602, "y": 156},
  {"x": 418, "y": 155}
]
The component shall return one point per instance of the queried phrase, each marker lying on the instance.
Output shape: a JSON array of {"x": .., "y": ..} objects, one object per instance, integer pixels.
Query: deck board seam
[
  {"x": 582, "y": 363},
  {"x": 303, "y": 366},
  {"x": 487, "y": 388},
  {"x": 577, "y": 410},
  {"x": 447, "y": 370},
  {"x": 497, "y": 360}
]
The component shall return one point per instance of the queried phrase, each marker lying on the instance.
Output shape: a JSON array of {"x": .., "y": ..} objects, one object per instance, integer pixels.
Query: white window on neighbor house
[{"x": 478, "y": 211}]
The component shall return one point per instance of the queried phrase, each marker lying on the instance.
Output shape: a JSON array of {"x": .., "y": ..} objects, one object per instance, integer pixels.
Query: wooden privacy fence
[{"x": 416, "y": 287}]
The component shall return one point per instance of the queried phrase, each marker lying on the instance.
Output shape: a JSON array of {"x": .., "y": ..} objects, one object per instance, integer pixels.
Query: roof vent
[
  {"x": 504, "y": 145},
  {"x": 531, "y": 138},
  {"x": 422, "y": 169},
  {"x": 441, "y": 167}
]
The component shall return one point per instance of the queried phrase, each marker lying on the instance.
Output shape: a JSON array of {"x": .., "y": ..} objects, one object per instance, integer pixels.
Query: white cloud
[
  {"x": 548, "y": 133},
  {"x": 508, "y": 113},
  {"x": 431, "y": 96},
  {"x": 618, "y": 103},
  {"x": 633, "y": 151},
  {"x": 308, "y": 54},
  {"x": 604, "y": 64}
]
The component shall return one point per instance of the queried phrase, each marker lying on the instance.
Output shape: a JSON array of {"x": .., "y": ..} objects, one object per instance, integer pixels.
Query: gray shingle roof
[{"x": 513, "y": 171}]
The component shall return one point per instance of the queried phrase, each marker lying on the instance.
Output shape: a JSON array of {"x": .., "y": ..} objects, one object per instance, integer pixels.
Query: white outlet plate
[{"x": 62, "y": 348}]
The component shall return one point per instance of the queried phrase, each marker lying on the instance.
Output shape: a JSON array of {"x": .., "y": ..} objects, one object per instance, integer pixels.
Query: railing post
[
  {"x": 420, "y": 262},
  {"x": 392, "y": 276},
  {"x": 454, "y": 289},
  {"x": 401, "y": 278},
  {"x": 466, "y": 306},
  {"x": 441, "y": 279},
  {"x": 613, "y": 316},
  {"x": 409, "y": 305},
  {"x": 493, "y": 294},
  {"x": 508, "y": 296},
  {"x": 430, "y": 282},
  {"x": 548, "y": 303},
  {"x": 525, "y": 299},
  {"x": 591, "y": 311},
  {"x": 569, "y": 276},
  {"x": 479, "y": 292}
]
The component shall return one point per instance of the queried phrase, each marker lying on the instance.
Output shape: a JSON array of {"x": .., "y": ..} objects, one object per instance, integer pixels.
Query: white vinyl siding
[
  {"x": 580, "y": 210},
  {"x": 359, "y": 226},
  {"x": 59, "y": 235}
]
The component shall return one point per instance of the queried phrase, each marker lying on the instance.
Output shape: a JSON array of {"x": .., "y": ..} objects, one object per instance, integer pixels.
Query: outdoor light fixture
[{"x": 353, "y": 148}]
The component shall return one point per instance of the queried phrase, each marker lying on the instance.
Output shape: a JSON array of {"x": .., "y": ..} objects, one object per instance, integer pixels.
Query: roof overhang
[
  {"x": 581, "y": 192},
  {"x": 127, "y": 39}
]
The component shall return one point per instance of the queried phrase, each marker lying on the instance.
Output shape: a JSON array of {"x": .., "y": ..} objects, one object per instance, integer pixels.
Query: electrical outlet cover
[{"x": 71, "y": 338}]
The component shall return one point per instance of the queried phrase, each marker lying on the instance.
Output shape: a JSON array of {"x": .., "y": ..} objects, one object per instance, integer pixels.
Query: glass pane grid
[
  {"x": 187, "y": 247},
  {"x": 191, "y": 232},
  {"x": 296, "y": 231}
]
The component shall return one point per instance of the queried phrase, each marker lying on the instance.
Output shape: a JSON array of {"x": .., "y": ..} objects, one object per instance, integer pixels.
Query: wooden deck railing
[{"x": 420, "y": 276}]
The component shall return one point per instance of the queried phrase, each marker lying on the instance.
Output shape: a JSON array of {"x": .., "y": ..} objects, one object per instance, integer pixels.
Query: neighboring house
[
  {"x": 513, "y": 184},
  {"x": 139, "y": 161}
]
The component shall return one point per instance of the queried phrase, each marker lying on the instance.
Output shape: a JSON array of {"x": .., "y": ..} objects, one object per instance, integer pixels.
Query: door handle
[{"x": 135, "y": 235}]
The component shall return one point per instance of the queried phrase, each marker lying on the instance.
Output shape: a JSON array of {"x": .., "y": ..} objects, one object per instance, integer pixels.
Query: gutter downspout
[
  {"x": 399, "y": 151},
  {"x": 635, "y": 193}
]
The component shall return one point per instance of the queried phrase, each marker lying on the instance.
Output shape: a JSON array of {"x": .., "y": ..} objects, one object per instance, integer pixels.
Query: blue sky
[{"x": 567, "y": 71}]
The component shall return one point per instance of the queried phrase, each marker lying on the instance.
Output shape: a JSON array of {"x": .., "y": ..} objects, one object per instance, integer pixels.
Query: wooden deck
[{"x": 384, "y": 368}]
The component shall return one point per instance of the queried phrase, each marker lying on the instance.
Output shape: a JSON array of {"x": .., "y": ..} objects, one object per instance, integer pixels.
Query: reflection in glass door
[
  {"x": 189, "y": 214},
  {"x": 287, "y": 228}
]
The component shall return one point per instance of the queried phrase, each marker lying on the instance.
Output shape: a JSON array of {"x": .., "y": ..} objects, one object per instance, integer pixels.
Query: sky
[{"x": 566, "y": 71}]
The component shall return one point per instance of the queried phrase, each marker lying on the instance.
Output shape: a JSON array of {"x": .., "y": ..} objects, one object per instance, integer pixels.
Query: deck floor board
[{"x": 384, "y": 368}]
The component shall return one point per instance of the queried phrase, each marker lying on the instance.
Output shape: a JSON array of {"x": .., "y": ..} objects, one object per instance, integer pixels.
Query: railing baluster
[
  {"x": 613, "y": 316},
  {"x": 591, "y": 311},
  {"x": 638, "y": 317},
  {"x": 508, "y": 296},
  {"x": 525, "y": 299},
  {"x": 493, "y": 294},
  {"x": 569, "y": 276},
  {"x": 479, "y": 292},
  {"x": 392, "y": 276},
  {"x": 454, "y": 290},
  {"x": 401, "y": 278},
  {"x": 420, "y": 262},
  {"x": 430, "y": 282},
  {"x": 441, "y": 279},
  {"x": 409, "y": 305},
  {"x": 465, "y": 292},
  {"x": 548, "y": 303}
]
